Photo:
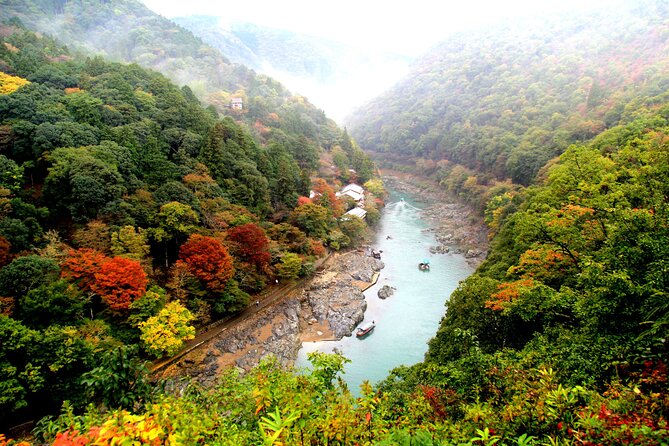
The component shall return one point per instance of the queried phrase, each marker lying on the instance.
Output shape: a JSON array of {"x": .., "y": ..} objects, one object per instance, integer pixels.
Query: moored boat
[{"x": 365, "y": 328}]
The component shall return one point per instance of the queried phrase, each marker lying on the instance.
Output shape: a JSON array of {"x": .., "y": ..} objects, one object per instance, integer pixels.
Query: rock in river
[{"x": 386, "y": 291}]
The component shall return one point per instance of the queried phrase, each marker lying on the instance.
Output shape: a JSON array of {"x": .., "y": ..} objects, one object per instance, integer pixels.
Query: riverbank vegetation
[
  {"x": 559, "y": 338},
  {"x": 130, "y": 214},
  {"x": 128, "y": 210}
]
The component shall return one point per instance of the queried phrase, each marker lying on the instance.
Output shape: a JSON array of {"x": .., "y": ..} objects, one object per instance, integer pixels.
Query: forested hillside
[
  {"x": 128, "y": 214},
  {"x": 126, "y": 31},
  {"x": 560, "y": 337},
  {"x": 505, "y": 100}
]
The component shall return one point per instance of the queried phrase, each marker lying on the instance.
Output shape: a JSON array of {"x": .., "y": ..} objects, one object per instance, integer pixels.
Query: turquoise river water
[{"x": 409, "y": 318}]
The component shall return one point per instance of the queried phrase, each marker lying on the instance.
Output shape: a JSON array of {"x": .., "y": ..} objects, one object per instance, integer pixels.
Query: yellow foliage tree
[
  {"x": 165, "y": 333},
  {"x": 9, "y": 84}
]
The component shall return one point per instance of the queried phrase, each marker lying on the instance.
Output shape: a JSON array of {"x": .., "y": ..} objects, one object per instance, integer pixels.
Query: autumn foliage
[
  {"x": 119, "y": 282},
  {"x": 250, "y": 243},
  {"x": 124, "y": 429},
  {"x": 304, "y": 200},
  {"x": 166, "y": 332},
  {"x": 208, "y": 260},
  {"x": 325, "y": 196},
  {"x": 82, "y": 265},
  {"x": 508, "y": 292},
  {"x": 9, "y": 84},
  {"x": 5, "y": 252}
]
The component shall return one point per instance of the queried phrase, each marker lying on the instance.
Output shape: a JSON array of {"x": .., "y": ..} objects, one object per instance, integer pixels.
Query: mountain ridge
[
  {"x": 127, "y": 31},
  {"x": 506, "y": 100}
]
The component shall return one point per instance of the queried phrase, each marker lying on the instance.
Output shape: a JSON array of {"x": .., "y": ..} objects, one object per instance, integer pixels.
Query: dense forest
[
  {"x": 129, "y": 213},
  {"x": 505, "y": 100},
  {"x": 559, "y": 338},
  {"x": 127, "y": 31}
]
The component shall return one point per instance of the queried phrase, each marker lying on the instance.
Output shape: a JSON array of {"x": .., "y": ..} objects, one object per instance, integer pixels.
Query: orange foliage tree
[
  {"x": 304, "y": 200},
  {"x": 208, "y": 260},
  {"x": 119, "y": 282},
  {"x": 82, "y": 265},
  {"x": 250, "y": 243},
  {"x": 544, "y": 264},
  {"x": 508, "y": 292},
  {"x": 325, "y": 196}
]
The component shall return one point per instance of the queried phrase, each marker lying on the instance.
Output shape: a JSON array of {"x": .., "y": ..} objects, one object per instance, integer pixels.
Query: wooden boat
[{"x": 365, "y": 328}]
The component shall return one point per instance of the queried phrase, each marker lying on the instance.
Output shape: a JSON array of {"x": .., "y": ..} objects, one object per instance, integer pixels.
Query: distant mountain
[
  {"x": 127, "y": 31},
  {"x": 506, "y": 100},
  {"x": 319, "y": 67}
]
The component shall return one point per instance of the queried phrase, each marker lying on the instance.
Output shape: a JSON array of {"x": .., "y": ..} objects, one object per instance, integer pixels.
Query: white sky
[{"x": 408, "y": 27}]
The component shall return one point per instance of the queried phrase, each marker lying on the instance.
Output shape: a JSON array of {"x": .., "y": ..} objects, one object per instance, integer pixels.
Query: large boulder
[{"x": 386, "y": 291}]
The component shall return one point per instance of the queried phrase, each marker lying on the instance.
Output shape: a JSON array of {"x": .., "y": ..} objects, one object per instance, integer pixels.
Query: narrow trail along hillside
[
  {"x": 328, "y": 305},
  {"x": 270, "y": 298}
]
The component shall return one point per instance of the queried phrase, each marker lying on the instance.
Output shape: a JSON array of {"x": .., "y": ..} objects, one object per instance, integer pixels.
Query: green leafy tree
[
  {"x": 62, "y": 355},
  {"x": 312, "y": 219},
  {"x": 130, "y": 242},
  {"x": 148, "y": 305},
  {"x": 338, "y": 240},
  {"x": 375, "y": 186},
  {"x": 11, "y": 174},
  {"x": 353, "y": 227},
  {"x": 57, "y": 302},
  {"x": 81, "y": 183},
  {"x": 175, "y": 220},
  {"x": 120, "y": 380},
  {"x": 289, "y": 237},
  {"x": 290, "y": 266},
  {"x": 21, "y": 234},
  {"x": 26, "y": 273},
  {"x": 231, "y": 299},
  {"x": 19, "y": 377}
]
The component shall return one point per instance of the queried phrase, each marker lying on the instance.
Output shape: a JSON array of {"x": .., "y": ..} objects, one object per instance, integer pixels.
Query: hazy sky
[{"x": 409, "y": 27}]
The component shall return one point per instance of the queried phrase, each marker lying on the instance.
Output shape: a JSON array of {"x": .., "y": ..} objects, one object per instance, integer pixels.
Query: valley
[{"x": 178, "y": 230}]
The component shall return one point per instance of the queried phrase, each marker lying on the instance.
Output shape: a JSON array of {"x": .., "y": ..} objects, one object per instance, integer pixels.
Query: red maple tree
[
  {"x": 119, "y": 282},
  {"x": 208, "y": 260},
  {"x": 250, "y": 243}
]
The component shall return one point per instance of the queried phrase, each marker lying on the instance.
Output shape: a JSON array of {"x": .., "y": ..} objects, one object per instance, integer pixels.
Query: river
[{"x": 410, "y": 317}]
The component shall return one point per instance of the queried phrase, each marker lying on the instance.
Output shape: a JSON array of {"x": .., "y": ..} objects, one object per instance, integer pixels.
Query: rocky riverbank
[
  {"x": 457, "y": 228},
  {"x": 330, "y": 307},
  {"x": 332, "y": 304}
]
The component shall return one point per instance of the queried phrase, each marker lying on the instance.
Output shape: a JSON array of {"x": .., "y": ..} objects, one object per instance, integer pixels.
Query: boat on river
[
  {"x": 365, "y": 328},
  {"x": 424, "y": 265}
]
